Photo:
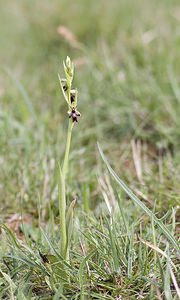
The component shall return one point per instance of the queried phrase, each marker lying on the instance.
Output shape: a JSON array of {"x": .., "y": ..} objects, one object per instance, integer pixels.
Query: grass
[{"x": 124, "y": 241}]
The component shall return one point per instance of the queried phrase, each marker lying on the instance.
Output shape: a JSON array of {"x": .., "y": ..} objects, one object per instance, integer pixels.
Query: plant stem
[
  {"x": 68, "y": 143},
  {"x": 66, "y": 89},
  {"x": 62, "y": 195},
  {"x": 62, "y": 213}
]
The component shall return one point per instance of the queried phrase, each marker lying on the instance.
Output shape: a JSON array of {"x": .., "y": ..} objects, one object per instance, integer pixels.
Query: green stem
[
  {"x": 62, "y": 195},
  {"x": 62, "y": 185},
  {"x": 62, "y": 213},
  {"x": 68, "y": 144}
]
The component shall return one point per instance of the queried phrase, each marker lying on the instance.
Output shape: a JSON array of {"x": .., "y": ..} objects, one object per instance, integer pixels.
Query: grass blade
[
  {"x": 140, "y": 204},
  {"x": 81, "y": 268}
]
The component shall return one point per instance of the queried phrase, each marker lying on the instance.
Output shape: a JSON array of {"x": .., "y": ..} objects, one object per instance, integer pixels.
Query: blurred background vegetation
[{"x": 126, "y": 58}]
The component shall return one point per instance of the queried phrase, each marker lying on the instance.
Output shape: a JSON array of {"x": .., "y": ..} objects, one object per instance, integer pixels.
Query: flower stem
[
  {"x": 68, "y": 144},
  {"x": 62, "y": 195},
  {"x": 62, "y": 213}
]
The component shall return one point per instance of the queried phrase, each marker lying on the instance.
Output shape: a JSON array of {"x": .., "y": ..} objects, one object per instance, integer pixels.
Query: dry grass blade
[
  {"x": 174, "y": 281},
  {"x": 69, "y": 36},
  {"x": 136, "y": 150},
  {"x": 158, "y": 250}
]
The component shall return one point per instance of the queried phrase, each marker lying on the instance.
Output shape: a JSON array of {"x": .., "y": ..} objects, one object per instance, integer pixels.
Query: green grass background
[{"x": 128, "y": 90}]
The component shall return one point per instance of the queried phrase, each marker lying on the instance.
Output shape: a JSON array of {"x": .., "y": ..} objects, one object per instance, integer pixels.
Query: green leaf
[
  {"x": 9, "y": 280},
  {"x": 64, "y": 94},
  {"x": 81, "y": 268},
  {"x": 69, "y": 221}
]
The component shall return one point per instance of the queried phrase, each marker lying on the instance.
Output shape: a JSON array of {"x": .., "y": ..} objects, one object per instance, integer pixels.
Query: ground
[{"x": 126, "y": 71}]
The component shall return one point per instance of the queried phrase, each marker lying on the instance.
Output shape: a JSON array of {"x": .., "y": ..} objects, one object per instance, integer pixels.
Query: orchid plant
[{"x": 66, "y": 215}]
